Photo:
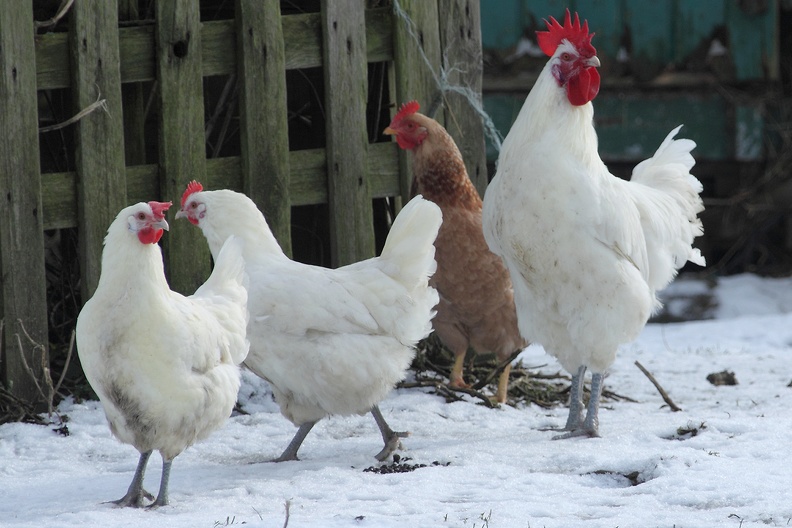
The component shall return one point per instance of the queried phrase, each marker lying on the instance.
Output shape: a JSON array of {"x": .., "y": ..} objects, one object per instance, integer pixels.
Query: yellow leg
[
  {"x": 456, "y": 372},
  {"x": 503, "y": 384}
]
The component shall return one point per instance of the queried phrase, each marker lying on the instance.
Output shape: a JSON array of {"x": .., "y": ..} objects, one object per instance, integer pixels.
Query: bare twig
[
  {"x": 64, "y": 7},
  {"x": 99, "y": 103},
  {"x": 286, "y": 521},
  {"x": 49, "y": 396},
  {"x": 497, "y": 370},
  {"x": 67, "y": 363},
  {"x": 447, "y": 391},
  {"x": 663, "y": 393}
]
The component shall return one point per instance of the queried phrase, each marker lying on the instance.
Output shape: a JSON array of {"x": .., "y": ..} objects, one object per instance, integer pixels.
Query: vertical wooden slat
[
  {"x": 133, "y": 99},
  {"x": 460, "y": 36},
  {"x": 263, "y": 113},
  {"x": 21, "y": 229},
  {"x": 101, "y": 175},
  {"x": 417, "y": 32},
  {"x": 182, "y": 151},
  {"x": 345, "y": 74}
]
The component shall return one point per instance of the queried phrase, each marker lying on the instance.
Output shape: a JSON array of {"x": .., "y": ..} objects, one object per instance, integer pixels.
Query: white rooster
[
  {"x": 586, "y": 251},
  {"x": 164, "y": 366},
  {"x": 329, "y": 341}
]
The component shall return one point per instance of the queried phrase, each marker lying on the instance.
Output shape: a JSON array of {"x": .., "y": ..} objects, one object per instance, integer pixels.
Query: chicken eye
[
  {"x": 566, "y": 56},
  {"x": 141, "y": 216},
  {"x": 194, "y": 205}
]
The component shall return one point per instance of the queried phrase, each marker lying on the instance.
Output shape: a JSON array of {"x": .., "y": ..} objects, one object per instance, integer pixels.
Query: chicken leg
[
  {"x": 290, "y": 453},
  {"x": 162, "y": 496},
  {"x": 503, "y": 384},
  {"x": 391, "y": 438},
  {"x": 135, "y": 494},
  {"x": 456, "y": 379},
  {"x": 576, "y": 425}
]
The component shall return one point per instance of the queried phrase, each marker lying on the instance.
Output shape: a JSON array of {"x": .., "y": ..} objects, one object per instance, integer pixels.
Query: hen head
[
  {"x": 147, "y": 220},
  {"x": 408, "y": 126},
  {"x": 193, "y": 208},
  {"x": 573, "y": 58}
]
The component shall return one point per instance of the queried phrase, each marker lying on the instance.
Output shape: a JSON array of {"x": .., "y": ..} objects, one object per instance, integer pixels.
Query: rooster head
[
  {"x": 573, "y": 58},
  {"x": 147, "y": 220},
  {"x": 407, "y": 126}
]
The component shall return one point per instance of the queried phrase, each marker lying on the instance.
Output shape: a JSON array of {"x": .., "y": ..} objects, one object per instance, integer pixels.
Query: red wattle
[
  {"x": 149, "y": 235},
  {"x": 583, "y": 87}
]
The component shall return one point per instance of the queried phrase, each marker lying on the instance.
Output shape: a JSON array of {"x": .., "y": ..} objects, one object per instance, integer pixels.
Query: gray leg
[
  {"x": 291, "y": 450},
  {"x": 575, "y": 418},
  {"x": 591, "y": 425},
  {"x": 162, "y": 496},
  {"x": 389, "y": 436},
  {"x": 576, "y": 401},
  {"x": 135, "y": 494}
]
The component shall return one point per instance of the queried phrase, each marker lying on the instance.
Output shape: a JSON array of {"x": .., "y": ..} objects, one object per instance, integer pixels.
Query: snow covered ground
[{"x": 722, "y": 461}]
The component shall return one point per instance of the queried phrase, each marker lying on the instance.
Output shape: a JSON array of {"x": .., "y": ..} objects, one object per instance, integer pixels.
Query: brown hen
[{"x": 476, "y": 306}]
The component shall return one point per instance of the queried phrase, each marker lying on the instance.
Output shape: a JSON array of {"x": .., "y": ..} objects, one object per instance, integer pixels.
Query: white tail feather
[
  {"x": 668, "y": 199},
  {"x": 410, "y": 243}
]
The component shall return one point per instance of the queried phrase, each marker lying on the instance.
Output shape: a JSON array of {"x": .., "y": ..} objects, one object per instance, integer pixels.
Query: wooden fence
[{"x": 99, "y": 58}]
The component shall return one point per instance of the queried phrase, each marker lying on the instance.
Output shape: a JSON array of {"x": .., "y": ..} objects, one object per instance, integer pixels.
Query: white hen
[
  {"x": 164, "y": 366},
  {"x": 329, "y": 341},
  {"x": 586, "y": 251}
]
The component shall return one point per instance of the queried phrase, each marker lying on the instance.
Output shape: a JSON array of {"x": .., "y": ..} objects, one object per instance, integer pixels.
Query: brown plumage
[{"x": 476, "y": 306}]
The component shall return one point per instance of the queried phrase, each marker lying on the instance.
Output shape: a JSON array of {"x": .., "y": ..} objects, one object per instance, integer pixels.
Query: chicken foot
[
  {"x": 391, "y": 438},
  {"x": 290, "y": 453},
  {"x": 135, "y": 494},
  {"x": 456, "y": 380},
  {"x": 575, "y": 424}
]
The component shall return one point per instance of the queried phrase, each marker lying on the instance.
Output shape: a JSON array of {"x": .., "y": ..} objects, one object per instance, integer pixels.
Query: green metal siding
[
  {"x": 633, "y": 113},
  {"x": 663, "y": 31}
]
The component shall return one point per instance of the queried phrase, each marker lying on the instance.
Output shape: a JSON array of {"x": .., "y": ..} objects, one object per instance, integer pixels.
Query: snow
[{"x": 484, "y": 467}]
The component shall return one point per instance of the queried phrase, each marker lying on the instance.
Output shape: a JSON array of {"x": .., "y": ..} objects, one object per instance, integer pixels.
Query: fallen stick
[{"x": 660, "y": 389}]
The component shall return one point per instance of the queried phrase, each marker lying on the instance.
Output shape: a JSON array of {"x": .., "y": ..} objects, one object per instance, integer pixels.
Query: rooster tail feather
[
  {"x": 409, "y": 250},
  {"x": 674, "y": 200}
]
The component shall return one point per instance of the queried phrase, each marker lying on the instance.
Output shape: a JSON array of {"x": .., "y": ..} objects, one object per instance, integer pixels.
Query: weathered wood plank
[
  {"x": 345, "y": 74},
  {"x": 460, "y": 37},
  {"x": 263, "y": 114},
  {"x": 307, "y": 185},
  {"x": 99, "y": 136},
  {"x": 24, "y": 295},
  {"x": 303, "y": 48},
  {"x": 416, "y": 40},
  {"x": 182, "y": 150}
]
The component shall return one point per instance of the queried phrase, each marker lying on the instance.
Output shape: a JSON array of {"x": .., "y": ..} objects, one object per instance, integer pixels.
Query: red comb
[
  {"x": 192, "y": 187},
  {"x": 576, "y": 34},
  {"x": 407, "y": 109},
  {"x": 159, "y": 208}
]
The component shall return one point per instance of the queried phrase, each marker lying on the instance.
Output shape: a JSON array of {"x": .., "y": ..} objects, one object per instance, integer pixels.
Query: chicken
[
  {"x": 164, "y": 366},
  {"x": 329, "y": 341},
  {"x": 586, "y": 251},
  {"x": 476, "y": 306}
]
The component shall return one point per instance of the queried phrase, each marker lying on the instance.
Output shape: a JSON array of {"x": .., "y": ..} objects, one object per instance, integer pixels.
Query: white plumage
[
  {"x": 163, "y": 365},
  {"x": 329, "y": 341},
  {"x": 586, "y": 251}
]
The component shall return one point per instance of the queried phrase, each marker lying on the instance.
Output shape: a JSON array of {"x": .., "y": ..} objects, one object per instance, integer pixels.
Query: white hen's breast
[
  {"x": 156, "y": 375},
  {"x": 576, "y": 293}
]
